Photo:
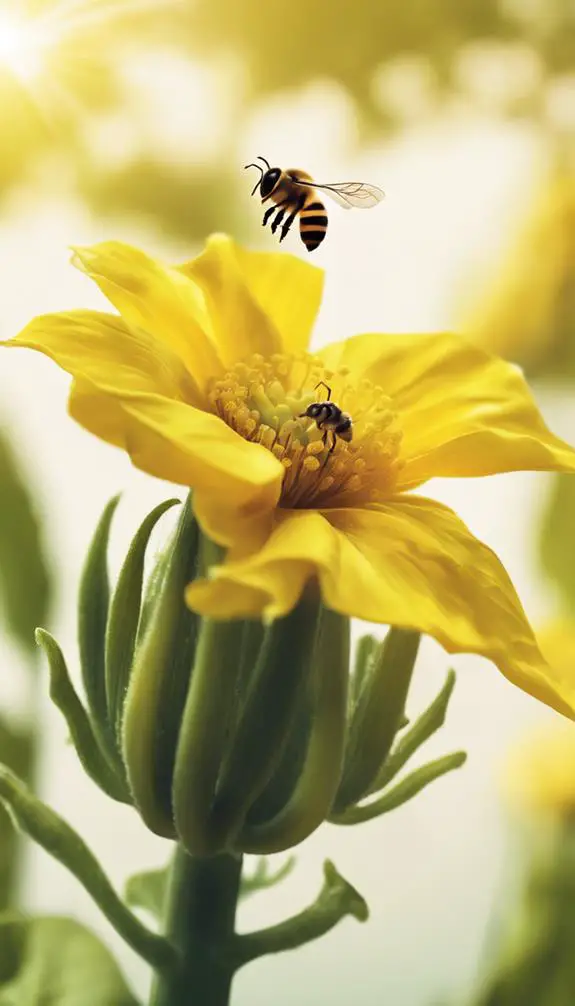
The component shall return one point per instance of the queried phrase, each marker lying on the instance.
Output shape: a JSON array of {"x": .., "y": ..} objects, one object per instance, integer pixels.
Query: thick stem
[{"x": 200, "y": 919}]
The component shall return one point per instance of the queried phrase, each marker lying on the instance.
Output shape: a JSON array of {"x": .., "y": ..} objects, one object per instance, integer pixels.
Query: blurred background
[{"x": 132, "y": 119}]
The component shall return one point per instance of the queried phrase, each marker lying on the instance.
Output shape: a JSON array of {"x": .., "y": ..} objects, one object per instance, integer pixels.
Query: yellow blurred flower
[
  {"x": 557, "y": 642},
  {"x": 524, "y": 309},
  {"x": 540, "y": 774},
  {"x": 202, "y": 379}
]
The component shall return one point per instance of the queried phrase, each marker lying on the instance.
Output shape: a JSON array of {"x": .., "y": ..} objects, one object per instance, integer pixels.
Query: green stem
[
  {"x": 200, "y": 920},
  {"x": 59, "y": 840},
  {"x": 336, "y": 899}
]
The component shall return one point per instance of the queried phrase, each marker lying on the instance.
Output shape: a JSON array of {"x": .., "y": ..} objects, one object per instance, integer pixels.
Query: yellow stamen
[{"x": 263, "y": 401}]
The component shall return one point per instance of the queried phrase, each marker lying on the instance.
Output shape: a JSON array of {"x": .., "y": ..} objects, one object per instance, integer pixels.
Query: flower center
[{"x": 263, "y": 400}]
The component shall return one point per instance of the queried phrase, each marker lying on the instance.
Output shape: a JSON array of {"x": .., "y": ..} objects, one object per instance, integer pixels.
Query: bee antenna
[
  {"x": 259, "y": 181},
  {"x": 265, "y": 160}
]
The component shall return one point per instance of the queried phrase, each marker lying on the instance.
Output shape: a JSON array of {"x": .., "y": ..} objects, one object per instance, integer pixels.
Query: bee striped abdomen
[
  {"x": 344, "y": 428},
  {"x": 313, "y": 224}
]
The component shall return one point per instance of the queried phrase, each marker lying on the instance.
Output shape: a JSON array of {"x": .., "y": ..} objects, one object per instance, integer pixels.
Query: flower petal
[
  {"x": 463, "y": 412},
  {"x": 156, "y": 298},
  {"x": 181, "y": 444},
  {"x": 261, "y": 302},
  {"x": 113, "y": 356},
  {"x": 410, "y": 563},
  {"x": 133, "y": 392}
]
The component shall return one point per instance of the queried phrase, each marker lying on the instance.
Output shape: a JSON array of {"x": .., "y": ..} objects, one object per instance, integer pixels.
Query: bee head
[
  {"x": 314, "y": 410},
  {"x": 268, "y": 179}
]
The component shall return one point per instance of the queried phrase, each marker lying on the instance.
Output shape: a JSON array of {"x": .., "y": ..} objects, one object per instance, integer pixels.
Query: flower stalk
[{"x": 200, "y": 921}]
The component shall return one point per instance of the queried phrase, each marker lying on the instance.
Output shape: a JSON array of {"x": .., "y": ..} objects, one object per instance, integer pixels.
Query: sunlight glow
[{"x": 21, "y": 45}]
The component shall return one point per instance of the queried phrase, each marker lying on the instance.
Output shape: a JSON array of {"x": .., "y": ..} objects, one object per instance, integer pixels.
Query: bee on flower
[
  {"x": 330, "y": 419},
  {"x": 205, "y": 376}
]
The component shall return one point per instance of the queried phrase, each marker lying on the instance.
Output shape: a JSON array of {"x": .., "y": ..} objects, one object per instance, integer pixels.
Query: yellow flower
[
  {"x": 202, "y": 379},
  {"x": 540, "y": 772},
  {"x": 523, "y": 309},
  {"x": 540, "y": 775}
]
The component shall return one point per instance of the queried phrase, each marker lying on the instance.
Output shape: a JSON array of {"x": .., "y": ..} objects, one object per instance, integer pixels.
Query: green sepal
[
  {"x": 55, "y": 961},
  {"x": 310, "y": 802},
  {"x": 252, "y": 639},
  {"x": 261, "y": 879},
  {"x": 161, "y": 672},
  {"x": 93, "y": 604},
  {"x": 57, "y": 838},
  {"x": 365, "y": 650},
  {"x": 152, "y": 590},
  {"x": 124, "y": 617},
  {"x": 378, "y": 714},
  {"x": 84, "y": 739},
  {"x": 204, "y": 739},
  {"x": 336, "y": 900},
  {"x": 283, "y": 781},
  {"x": 281, "y": 785},
  {"x": 424, "y": 727},
  {"x": 271, "y": 705},
  {"x": 404, "y": 791}
]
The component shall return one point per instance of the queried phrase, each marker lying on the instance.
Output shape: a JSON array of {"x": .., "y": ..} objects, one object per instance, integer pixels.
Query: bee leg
[
  {"x": 277, "y": 221},
  {"x": 333, "y": 442},
  {"x": 292, "y": 216},
  {"x": 271, "y": 210}
]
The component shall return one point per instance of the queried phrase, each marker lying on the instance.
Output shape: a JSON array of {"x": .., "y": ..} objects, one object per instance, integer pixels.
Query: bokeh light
[{"x": 22, "y": 42}]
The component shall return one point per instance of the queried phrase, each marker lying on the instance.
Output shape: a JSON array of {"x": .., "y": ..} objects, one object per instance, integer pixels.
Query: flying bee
[
  {"x": 330, "y": 418},
  {"x": 294, "y": 192}
]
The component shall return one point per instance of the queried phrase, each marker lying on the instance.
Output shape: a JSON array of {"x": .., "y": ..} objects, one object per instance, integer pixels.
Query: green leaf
[
  {"x": 16, "y": 750},
  {"x": 557, "y": 542},
  {"x": 147, "y": 890},
  {"x": 261, "y": 878},
  {"x": 54, "y": 961},
  {"x": 25, "y": 581},
  {"x": 404, "y": 791},
  {"x": 12, "y": 943}
]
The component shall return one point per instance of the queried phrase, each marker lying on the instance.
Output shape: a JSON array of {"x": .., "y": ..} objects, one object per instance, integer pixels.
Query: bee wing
[{"x": 360, "y": 195}]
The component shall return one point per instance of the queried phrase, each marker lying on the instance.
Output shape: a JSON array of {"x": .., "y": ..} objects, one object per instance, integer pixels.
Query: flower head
[{"x": 203, "y": 379}]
